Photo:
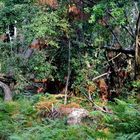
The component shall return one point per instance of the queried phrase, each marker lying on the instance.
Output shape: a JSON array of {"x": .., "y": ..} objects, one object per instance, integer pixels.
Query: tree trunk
[
  {"x": 69, "y": 72},
  {"x": 7, "y": 91},
  {"x": 28, "y": 53},
  {"x": 137, "y": 49}
]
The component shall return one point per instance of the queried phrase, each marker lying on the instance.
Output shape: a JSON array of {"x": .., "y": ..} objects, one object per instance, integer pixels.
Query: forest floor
[{"x": 45, "y": 117}]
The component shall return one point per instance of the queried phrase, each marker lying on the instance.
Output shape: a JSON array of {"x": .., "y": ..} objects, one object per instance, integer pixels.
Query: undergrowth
[{"x": 19, "y": 120}]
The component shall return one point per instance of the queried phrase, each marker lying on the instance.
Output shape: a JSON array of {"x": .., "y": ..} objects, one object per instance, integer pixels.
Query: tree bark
[
  {"x": 28, "y": 53},
  {"x": 137, "y": 49},
  {"x": 7, "y": 91},
  {"x": 69, "y": 72}
]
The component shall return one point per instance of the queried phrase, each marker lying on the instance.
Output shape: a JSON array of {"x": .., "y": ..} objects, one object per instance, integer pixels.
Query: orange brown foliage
[
  {"x": 71, "y": 105},
  {"x": 40, "y": 81},
  {"x": 29, "y": 124},
  {"x": 3, "y": 37},
  {"x": 52, "y": 3},
  {"x": 44, "y": 105},
  {"x": 40, "y": 90},
  {"x": 38, "y": 44},
  {"x": 44, "y": 108},
  {"x": 103, "y": 89},
  {"x": 122, "y": 75},
  {"x": 67, "y": 109},
  {"x": 75, "y": 13},
  {"x": 91, "y": 88},
  {"x": 35, "y": 44}
]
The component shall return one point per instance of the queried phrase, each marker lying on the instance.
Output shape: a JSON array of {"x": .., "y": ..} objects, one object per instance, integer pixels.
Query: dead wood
[
  {"x": 103, "y": 109},
  {"x": 8, "y": 79},
  {"x": 28, "y": 53},
  {"x": 100, "y": 76},
  {"x": 121, "y": 50},
  {"x": 7, "y": 91}
]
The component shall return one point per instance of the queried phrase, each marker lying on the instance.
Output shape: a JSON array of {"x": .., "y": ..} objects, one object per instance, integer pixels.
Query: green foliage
[
  {"x": 136, "y": 84},
  {"x": 123, "y": 122},
  {"x": 114, "y": 14},
  {"x": 132, "y": 136},
  {"x": 98, "y": 12},
  {"x": 40, "y": 67},
  {"x": 128, "y": 121},
  {"x": 19, "y": 120}
]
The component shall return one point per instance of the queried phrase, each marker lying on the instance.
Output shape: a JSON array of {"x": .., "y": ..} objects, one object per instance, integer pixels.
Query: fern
[
  {"x": 131, "y": 136},
  {"x": 125, "y": 120}
]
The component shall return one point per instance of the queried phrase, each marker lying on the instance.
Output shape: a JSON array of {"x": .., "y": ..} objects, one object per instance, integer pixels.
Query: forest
[{"x": 69, "y": 70}]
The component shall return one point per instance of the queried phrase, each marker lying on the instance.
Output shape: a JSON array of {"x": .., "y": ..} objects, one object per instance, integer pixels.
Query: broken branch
[{"x": 102, "y": 75}]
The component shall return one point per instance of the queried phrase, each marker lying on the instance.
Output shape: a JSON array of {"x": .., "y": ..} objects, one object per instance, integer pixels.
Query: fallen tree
[{"x": 7, "y": 91}]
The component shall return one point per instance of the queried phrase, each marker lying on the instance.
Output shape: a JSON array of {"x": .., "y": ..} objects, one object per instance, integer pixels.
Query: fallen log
[
  {"x": 121, "y": 50},
  {"x": 7, "y": 91},
  {"x": 7, "y": 79}
]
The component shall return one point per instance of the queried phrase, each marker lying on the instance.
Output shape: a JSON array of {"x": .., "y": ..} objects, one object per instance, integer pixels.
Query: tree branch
[
  {"x": 108, "y": 26},
  {"x": 131, "y": 30},
  {"x": 130, "y": 33},
  {"x": 102, "y": 75}
]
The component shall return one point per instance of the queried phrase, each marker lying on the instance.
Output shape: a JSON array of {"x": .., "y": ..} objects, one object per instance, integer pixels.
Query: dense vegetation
[{"x": 57, "y": 55}]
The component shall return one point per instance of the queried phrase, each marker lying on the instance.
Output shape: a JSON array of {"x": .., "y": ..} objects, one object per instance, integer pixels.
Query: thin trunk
[
  {"x": 69, "y": 72},
  {"x": 137, "y": 49}
]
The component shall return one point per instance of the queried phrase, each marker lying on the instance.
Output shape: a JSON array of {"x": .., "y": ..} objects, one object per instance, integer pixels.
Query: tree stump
[{"x": 76, "y": 116}]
